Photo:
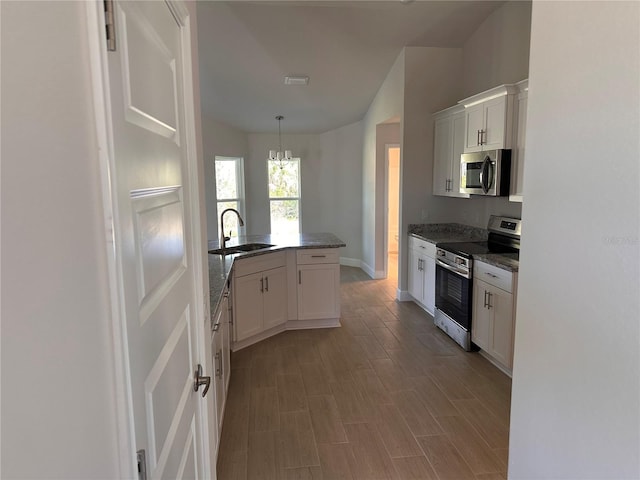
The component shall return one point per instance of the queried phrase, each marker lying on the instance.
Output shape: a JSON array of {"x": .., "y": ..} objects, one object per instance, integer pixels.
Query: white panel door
[{"x": 154, "y": 238}]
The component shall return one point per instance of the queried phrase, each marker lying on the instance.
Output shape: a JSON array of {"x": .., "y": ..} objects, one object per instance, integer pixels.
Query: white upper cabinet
[
  {"x": 517, "y": 153},
  {"x": 489, "y": 119},
  {"x": 449, "y": 139}
]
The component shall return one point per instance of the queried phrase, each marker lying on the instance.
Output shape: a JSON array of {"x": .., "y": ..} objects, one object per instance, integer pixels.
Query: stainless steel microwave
[{"x": 485, "y": 173}]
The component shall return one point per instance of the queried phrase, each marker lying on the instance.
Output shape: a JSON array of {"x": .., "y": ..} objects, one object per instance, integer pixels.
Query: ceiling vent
[{"x": 296, "y": 80}]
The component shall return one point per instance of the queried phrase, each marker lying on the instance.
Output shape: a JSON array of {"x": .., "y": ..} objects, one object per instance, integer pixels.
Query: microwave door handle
[{"x": 486, "y": 175}]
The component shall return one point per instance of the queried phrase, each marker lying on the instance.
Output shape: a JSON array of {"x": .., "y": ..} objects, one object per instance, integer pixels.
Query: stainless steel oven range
[{"x": 454, "y": 276}]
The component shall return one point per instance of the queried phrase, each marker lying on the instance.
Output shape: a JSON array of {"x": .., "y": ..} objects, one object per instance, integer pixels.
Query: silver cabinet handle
[
  {"x": 478, "y": 138},
  {"x": 261, "y": 285},
  {"x": 299, "y": 277},
  {"x": 266, "y": 284},
  {"x": 485, "y": 299},
  {"x": 318, "y": 256},
  {"x": 489, "y": 306},
  {"x": 199, "y": 380},
  {"x": 491, "y": 275}
]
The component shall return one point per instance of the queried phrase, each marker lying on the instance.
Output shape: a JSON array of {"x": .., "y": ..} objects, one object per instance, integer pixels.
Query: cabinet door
[
  {"x": 442, "y": 143},
  {"x": 226, "y": 342},
  {"x": 275, "y": 297},
  {"x": 247, "y": 293},
  {"x": 474, "y": 122},
  {"x": 429, "y": 290},
  {"x": 495, "y": 112},
  {"x": 517, "y": 154},
  {"x": 318, "y": 291},
  {"x": 481, "y": 316},
  {"x": 218, "y": 378},
  {"x": 457, "y": 147},
  {"x": 501, "y": 307},
  {"x": 416, "y": 277}
]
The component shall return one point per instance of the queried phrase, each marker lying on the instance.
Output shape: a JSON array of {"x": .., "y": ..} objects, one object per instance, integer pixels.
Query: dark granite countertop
[
  {"x": 448, "y": 232},
  {"x": 506, "y": 261},
  {"x": 457, "y": 232},
  {"x": 220, "y": 265}
]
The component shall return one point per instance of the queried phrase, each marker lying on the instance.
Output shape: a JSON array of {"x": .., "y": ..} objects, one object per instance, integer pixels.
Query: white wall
[
  {"x": 218, "y": 139},
  {"x": 333, "y": 192},
  {"x": 575, "y": 401},
  {"x": 388, "y": 103},
  {"x": 432, "y": 82},
  {"x": 58, "y": 414},
  {"x": 330, "y": 177},
  {"x": 498, "y": 51}
]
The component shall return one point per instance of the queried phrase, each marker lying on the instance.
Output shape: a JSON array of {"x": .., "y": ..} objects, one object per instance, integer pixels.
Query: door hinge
[
  {"x": 142, "y": 464},
  {"x": 110, "y": 25}
]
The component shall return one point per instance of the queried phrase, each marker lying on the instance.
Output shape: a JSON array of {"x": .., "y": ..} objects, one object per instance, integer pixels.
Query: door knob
[{"x": 199, "y": 379}]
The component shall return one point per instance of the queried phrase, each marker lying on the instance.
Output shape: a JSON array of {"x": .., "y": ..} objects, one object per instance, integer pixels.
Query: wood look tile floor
[{"x": 386, "y": 396}]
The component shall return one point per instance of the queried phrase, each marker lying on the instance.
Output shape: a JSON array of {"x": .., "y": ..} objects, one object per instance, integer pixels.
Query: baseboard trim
[
  {"x": 496, "y": 364},
  {"x": 367, "y": 269},
  {"x": 353, "y": 262},
  {"x": 350, "y": 262},
  {"x": 290, "y": 325},
  {"x": 403, "y": 296}
]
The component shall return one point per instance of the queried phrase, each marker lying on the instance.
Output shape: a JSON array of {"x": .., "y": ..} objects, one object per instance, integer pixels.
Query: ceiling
[{"x": 346, "y": 48}]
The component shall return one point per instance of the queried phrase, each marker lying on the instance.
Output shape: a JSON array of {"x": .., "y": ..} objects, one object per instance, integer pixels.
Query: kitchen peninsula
[{"x": 291, "y": 283}]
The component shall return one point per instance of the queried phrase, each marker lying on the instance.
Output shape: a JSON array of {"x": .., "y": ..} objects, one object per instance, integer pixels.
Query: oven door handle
[{"x": 452, "y": 269}]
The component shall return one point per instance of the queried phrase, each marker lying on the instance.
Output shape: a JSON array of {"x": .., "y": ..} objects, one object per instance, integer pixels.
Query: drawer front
[
  {"x": 422, "y": 246},
  {"x": 312, "y": 256},
  {"x": 258, "y": 263},
  {"x": 495, "y": 276}
]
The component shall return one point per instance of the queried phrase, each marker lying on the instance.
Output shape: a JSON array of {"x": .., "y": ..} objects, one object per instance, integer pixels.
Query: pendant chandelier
[{"x": 280, "y": 155}]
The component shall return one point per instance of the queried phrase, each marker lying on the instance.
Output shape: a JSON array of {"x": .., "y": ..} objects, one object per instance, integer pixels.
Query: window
[
  {"x": 229, "y": 192},
  {"x": 284, "y": 196}
]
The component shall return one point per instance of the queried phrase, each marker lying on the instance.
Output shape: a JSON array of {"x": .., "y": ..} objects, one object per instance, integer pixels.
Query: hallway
[{"x": 385, "y": 396}]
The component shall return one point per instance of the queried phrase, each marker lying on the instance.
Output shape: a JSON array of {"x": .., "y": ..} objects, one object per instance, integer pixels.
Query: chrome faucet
[{"x": 223, "y": 239}]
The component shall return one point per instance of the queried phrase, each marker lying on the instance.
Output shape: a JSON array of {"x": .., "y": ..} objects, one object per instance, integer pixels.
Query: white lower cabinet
[
  {"x": 494, "y": 313},
  {"x": 422, "y": 273},
  {"x": 318, "y": 284},
  {"x": 260, "y": 294},
  {"x": 219, "y": 371}
]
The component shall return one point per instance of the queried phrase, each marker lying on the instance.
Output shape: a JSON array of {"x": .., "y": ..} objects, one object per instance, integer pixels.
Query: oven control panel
[{"x": 454, "y": 263}]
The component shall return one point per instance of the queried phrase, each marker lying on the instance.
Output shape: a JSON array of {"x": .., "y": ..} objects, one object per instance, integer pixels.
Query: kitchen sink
[{"x": 247, "y": 247}]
